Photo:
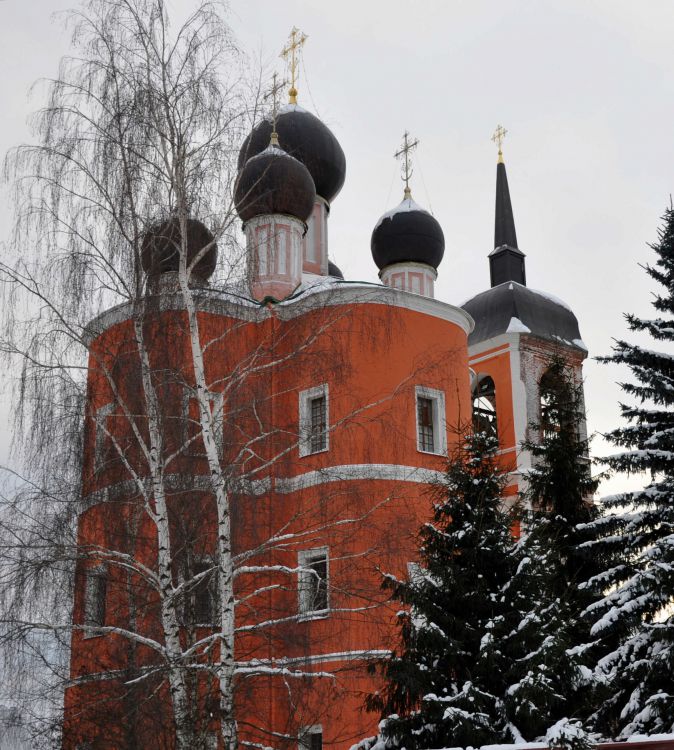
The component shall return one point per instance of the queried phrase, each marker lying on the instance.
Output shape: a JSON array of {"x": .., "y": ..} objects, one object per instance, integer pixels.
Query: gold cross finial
[
  {"x": 404, "y": 155},
  {"x": 499, "y": 134},
  {"x": 273, "y": 92},
  {"x": 289, "y": 54}
]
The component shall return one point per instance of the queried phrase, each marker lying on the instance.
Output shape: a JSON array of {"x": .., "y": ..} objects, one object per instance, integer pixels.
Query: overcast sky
[{"x": 585, "y": 89}]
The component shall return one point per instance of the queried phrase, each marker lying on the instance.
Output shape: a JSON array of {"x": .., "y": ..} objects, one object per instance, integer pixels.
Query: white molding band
[
  {"x": 250, "y": 665},
  {"x": 288, "y": 661},
  {"x": 286, "y": 485}
]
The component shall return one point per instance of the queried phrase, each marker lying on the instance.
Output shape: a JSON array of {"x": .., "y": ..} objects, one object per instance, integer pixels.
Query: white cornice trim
[
  {"x": 343, "y": 293},
  {"x": 479, "y": 350},
  {"x": 337, "y": 293}
]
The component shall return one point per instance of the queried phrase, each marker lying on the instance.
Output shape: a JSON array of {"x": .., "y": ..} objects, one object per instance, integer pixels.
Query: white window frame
[
  {"x": 90, "y": 604},
  {"x": 305, "y": 398},
  {"x": 439, "y": 420},
  {"x": 304, "y": 559},
  {"x": 305, "y": 732}
]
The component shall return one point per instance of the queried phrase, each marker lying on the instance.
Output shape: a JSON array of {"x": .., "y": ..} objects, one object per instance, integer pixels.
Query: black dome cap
[
  {"x": 334, "y": 270},
  {"x": 160, "y": 250},
  {"x": 272, "y": 182},
  {"x": 305, "y": 137},
  {"x": 407, "y": 234}
]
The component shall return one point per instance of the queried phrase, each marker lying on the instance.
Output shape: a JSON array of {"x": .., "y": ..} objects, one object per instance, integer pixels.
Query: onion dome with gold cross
[
  {"x": 301, "y": 134},
  {"x": 160, "y": 248},
  {"x": 273, "y": 182},
  {"x": 407, "y": 233}
]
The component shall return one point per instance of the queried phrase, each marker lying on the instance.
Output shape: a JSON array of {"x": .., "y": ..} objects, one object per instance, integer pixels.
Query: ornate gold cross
[
  {"x": 295, "y": 42},
  {"x": 404, "y": 155},
  {"x": 499, "y": 134},
  {"x": 273, "y": 93}
]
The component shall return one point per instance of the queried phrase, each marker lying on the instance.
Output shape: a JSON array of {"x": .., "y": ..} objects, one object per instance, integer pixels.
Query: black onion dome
[
  {"x": 272, "y": 182},
  {"x": 514, "y": 308},
  {"x": 160, "y": 250},
  {"x": 305, "y": 137},
  {"x": 333, "y": 270},
  {"x": 407, "y": 234}
]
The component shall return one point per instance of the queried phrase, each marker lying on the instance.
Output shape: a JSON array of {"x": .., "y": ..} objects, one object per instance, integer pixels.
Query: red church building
[{"x": 336, "y": 403}]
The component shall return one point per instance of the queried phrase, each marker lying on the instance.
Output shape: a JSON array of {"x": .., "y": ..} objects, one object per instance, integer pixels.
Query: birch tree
[{"x": 141, "y": 130}]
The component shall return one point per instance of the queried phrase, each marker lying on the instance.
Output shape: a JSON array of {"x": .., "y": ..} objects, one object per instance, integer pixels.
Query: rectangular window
[
  {"x": 425, "y": 422},
  {"x": 314, "y": 430},
  {"x": 204, "y": 595},
  {"x": 311, "y": 738},
  {"x": 199, "y": 605},
  {"x": 318, "y": 437},
  {"x": 313, "y": 581},
  {"x": 431, "y": 427},
  {"x": 95, "y": 593}
]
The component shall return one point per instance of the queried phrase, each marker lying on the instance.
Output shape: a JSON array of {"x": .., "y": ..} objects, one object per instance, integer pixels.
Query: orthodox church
[{"x": 338, "y": 403}]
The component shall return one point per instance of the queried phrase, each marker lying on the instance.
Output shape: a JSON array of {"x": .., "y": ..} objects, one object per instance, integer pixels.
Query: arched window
[
  {"x": 484, "y": 406},
  {"x": 554, "y": 400}
]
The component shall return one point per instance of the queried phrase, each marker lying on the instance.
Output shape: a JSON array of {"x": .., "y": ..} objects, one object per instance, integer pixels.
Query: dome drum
[
  {"x": 418, "y": 278},
  {"x": 274, "y": 255},
  {"x": 315, "y": 242}
]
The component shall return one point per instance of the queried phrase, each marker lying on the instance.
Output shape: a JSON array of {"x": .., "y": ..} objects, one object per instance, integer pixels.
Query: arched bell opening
[{"x": 484, "y": 406}]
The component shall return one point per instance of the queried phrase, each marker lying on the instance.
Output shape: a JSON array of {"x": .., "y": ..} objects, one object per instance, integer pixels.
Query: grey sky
[{"x": 585, "y": 89}]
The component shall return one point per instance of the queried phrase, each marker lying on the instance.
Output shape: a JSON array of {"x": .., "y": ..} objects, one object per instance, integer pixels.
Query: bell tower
[{"x": 518, "y": 332}]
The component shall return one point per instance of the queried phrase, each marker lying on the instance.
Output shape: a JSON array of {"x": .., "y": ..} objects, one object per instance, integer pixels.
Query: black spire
[
  {"x": 504, "y": 226},
  {"x": 506, "y": 262}
]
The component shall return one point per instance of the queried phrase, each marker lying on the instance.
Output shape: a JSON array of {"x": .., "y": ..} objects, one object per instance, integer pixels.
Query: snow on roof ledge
[
  {"x": 407, "y": 204},
  {"x": 650, "y": 738},
  {"x": 656, "y": 741},
  {"x": 291, "y": 108},
  {"x": 516, "y": 326},
  {"x": 648, "y": 742}
]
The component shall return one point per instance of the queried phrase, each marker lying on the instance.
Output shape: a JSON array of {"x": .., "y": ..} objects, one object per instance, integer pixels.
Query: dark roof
[
  {"x": 272, "y": 182},
  {"x": 160, "y": 249},
  {"x": 308, "y": 139},
  {"x": 407, "y": 234},
  {"x": 542, "y": 314},
  {"x": 334, "y": 270}
]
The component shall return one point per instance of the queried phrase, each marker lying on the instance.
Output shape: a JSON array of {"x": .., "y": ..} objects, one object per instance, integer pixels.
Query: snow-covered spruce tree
[
  {"x": 548, "y": 675},
  {"x": 634, "y": 538},
  {"x": 445, "y": 682}
]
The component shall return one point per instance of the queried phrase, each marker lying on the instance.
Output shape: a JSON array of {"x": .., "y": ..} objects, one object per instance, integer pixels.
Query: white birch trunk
[
  {"x": 226, "y": 665},
  {"x": 169, "y": 620}
]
